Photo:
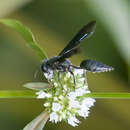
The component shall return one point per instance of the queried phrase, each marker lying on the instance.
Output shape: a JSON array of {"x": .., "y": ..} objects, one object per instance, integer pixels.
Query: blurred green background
[{"x": 54, "y": 23}]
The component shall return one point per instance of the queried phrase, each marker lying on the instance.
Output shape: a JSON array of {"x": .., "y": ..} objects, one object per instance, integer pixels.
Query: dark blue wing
[{"x": 85, "y": 32}]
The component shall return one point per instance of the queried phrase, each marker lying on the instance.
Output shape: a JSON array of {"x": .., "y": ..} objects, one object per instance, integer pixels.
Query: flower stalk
[{"x": 29, "y": 94}]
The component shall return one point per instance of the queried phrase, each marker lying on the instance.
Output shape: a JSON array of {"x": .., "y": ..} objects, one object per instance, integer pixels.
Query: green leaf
[
  {"x": 37, "y": 85},
  {"x": 38, "y": 123},
  {"x": 26, "y": 35}
]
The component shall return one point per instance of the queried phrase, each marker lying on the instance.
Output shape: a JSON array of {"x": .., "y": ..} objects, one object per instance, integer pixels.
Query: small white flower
[
  {"x": 65, "y": 78},
  {"x": 53, "y": 117},
  {"x": 41, "y": 94},
  {"x": 84, "y": 111},
  {"x": 55, "y": 99},
  {"x": 88, "y": 91},
  {"x": 48, "y": 95},
  {"x": 68, "y": 75},
  {"x": 65, "y": 87},
  {"x": 77, "y": 92},
  {"x": 82, "y": 79},
  {"x": 71, "y": 95},
  {"x": 80, "y": 91},
  {"x": 46, "y": 104},
  {"x": 86, "y": 86},
  {"x": 48, "y": 75},
  {"x": 61, "y": 97},
  {"x": 56, "y": 107},
  {"x": 74, "y": 104},
  {"x": 72, "y": 120},
  {"x": 55, "y": 84},
  {"x": 78, "y": 71},
  {"x": 88, "y": 102}
]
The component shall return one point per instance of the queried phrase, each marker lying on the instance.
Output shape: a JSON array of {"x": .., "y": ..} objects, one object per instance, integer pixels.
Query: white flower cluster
[{"x": 61, "y": 100}]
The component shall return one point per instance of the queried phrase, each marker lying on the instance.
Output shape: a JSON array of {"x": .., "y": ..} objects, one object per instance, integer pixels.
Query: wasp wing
[
  {"x": 62, "y": 57},
  {"x": 68, "y": 54},
  {"x": 85, "y": 32},
  {"x": 94, "y": 66},
  {"x": 71, "y": 47}
]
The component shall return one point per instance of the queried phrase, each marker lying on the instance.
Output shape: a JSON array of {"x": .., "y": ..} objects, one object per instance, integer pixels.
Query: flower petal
[
  {"x": 72, "y": 120},
  {"x": 56, "y": 107},
  {"x": 53, "y": 117},
  {"x": 41, "y": 94}
]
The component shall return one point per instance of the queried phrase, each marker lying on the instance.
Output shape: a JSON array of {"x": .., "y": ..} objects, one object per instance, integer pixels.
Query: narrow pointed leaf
[
  {"x": 26, "y": 35},
  {"x": 37, "y": 85},
  {"x": 38, "y": 123}
]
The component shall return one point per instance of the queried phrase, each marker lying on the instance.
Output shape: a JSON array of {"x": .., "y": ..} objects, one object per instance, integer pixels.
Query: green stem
[
  {"x": 31, "y": 94},
  {"x": 102, "y": 95},
  {"x": 17, "y": 94}
]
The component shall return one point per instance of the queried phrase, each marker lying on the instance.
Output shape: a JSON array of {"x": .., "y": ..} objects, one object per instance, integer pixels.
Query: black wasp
[{"x": 62, "y": 64}]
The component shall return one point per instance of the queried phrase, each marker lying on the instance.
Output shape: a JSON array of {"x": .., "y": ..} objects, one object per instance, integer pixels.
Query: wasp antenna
[{"x": 36, "y": 73}]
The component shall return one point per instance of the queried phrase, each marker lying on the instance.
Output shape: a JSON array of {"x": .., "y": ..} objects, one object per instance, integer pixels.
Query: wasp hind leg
[
  {"x": 73, "y": 77},
  {"x": 59, "y": 78},
  {"x": 84, "y": 75}
]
